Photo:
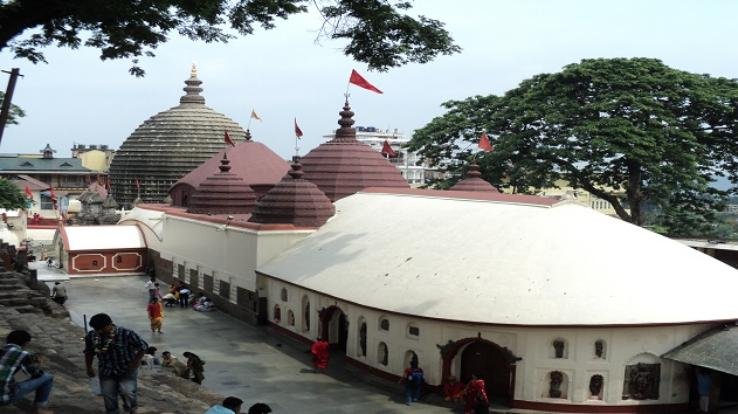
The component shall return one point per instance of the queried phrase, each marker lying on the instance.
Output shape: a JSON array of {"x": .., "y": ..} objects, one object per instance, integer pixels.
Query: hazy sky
[{"x": 283, "y": 74}]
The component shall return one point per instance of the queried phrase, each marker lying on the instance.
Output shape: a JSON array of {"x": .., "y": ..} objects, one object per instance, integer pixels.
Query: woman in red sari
[
  {"x": 320, "y": 352},
  {"x": 475, "y": 396}
]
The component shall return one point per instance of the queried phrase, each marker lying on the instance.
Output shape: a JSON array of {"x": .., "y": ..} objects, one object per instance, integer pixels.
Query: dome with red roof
[
  {"x": 294, "y": 200},
  {"x": 473, "y": 181},
  {"x": 223, "y": 193},
  {"x": 258, "y": 166},
  {"x": 345, "y": 166}
]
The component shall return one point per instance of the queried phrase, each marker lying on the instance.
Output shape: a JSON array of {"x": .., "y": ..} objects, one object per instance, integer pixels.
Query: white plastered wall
[{"x": 623, "y": 346}]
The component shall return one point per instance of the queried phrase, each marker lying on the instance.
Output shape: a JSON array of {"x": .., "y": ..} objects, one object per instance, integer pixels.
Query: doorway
[
  {"x": 334, "y": 328},
  {"x": 491, "y": 363}
]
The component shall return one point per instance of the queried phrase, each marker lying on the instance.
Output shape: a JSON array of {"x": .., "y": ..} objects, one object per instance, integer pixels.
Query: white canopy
[
  {"x": 501, "y": 263},
  {"x": 85, "y": 238}
]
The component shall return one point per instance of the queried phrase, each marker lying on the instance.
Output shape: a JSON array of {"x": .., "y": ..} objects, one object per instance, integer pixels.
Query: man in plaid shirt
[
  {"x": 14, "y": 358},
  {"x": 119, "y": 352}
]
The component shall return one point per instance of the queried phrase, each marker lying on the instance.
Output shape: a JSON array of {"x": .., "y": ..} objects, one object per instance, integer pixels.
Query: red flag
[
  {"x": 298, "y": 131},
  {"x": 387, "y": 150},
  {"x": 138, "y": 185},
  {"x": 228, "y": 140},
  {"x": 484, "y": 143},
  {"x": 28, "y": 191},
  {"x": 358, "y": 80}
]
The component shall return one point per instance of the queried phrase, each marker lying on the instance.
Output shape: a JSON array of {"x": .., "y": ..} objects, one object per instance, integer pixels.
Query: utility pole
[{"x": 5, "y": 110}]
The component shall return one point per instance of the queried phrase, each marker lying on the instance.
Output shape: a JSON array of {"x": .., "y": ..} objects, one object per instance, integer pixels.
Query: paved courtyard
[{"x": 241, "y": 359}]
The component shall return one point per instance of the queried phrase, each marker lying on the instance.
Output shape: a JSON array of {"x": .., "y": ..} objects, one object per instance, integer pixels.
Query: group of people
[{"x": 232, "y": 405}]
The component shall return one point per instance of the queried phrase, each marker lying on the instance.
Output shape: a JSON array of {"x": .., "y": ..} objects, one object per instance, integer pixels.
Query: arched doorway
[
  {"x": 492, "y": 363},
  {"x": 334, "y": 327}
]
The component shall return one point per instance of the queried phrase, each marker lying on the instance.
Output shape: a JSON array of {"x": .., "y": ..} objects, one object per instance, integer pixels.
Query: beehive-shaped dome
[
  {"x": 223, "y": 192},
  {"x": 345, "y": 166},
  {"x": 294, "y": 200},
  {"x": 169, "y": 145},
  {"x": 473, "y": 181}
]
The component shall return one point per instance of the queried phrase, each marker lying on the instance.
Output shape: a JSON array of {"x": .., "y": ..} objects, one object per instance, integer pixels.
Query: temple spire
[
  {"x": 346, "y": 132},
  {"x": 192, "y": 89}
]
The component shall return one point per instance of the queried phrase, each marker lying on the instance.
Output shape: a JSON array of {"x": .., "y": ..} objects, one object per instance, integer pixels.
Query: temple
[{"x": 558, "y": 307}]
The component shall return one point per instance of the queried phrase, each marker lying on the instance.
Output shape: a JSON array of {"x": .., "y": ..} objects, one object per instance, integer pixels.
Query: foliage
[
  {"x": 380, "y": 33},
  {"x": 15, "y": 111},
  {"x": 11, "y": 197},
  {"x": 629, "y": 131}
]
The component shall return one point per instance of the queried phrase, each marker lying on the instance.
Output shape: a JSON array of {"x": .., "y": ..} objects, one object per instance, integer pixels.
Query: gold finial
[{"x": 193, "y": 71}]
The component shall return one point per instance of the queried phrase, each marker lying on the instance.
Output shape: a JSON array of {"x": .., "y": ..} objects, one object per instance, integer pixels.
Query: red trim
[
  {"x": 635, "y": 325},
  {"x": 581, "y": 408},
  {"x": 386, "y": 375},
  {"x": 65, "y": 238}
]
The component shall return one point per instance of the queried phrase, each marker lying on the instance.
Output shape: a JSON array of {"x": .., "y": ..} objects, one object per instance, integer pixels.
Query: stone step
[
  {"x": 27, "y": 309},
  {"x": 13, "y": 288},
  {"x": 11, "y": 302}
]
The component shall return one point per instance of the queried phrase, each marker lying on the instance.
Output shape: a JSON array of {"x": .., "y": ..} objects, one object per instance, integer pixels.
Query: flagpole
[{"x": 297, "y": 148}]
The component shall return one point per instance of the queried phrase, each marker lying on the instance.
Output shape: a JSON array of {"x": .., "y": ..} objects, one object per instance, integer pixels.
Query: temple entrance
[
  {"x": 491, "y": 363},
  {"x": 334, "y": 327}
]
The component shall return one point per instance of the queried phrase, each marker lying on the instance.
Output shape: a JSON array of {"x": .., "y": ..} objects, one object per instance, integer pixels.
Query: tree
[
  {"x": 608, "y": 126},
  {"x": 15, "y": 111},
  {"x": 380, "y": 33},
  {"x": 11, "y": 197}
]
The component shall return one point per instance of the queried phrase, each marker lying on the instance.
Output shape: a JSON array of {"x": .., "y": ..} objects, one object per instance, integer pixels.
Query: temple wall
[{"x": 621, "y": 347}]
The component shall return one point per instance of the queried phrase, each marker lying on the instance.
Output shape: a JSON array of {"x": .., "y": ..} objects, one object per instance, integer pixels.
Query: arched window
[
  {"x": 283, "y": 295},
  {"x": 384, "y": 324},
  {"x": 277, "y": 316},
  {"x": 559, "y": 349},
  {"x": 290, "y": 318},
  {"x": 600, "y": 350},
  {"x": 305, "y": 313},
  {"x": 362, "y": 337},
  {"x": 596, "y": 385},
  {"x": 558, "y": 385},
  {"x": 382, "y": 354}
]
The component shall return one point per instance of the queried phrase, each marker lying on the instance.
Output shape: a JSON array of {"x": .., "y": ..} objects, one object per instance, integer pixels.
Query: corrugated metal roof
[
  {"x": 716, "y": 349},
  {"x": 42, "y": 164}
]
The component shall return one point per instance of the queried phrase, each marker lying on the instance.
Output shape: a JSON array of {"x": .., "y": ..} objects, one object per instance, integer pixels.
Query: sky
[{"x": 284, "y": 74}]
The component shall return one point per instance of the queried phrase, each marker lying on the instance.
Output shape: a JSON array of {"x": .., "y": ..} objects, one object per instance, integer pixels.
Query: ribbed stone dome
[
  {"x": 294, "y": 200},
  {"x": 345, "y": 166},
  {"x": 223, "y": 193},
  {"x": 169, "y": 145},
  {"x": 473, "y": 181}
]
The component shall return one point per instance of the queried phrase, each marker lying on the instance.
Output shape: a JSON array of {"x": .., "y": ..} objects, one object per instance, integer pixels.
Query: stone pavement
[{"x": 241, "y": 359}]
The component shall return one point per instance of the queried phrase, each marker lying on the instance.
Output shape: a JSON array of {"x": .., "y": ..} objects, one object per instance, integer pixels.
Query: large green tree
[
  {"x": 380, "y": 33},
  {"x": 609, "y": 126},
  {"x": 11, "y": 197}
]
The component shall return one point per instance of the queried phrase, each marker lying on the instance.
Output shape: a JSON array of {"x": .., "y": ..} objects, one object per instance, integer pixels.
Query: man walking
[
  {"x": 119, "y": 352},
  {"x": 59, "y": 293},
  {"x": 14, "y": 358}
]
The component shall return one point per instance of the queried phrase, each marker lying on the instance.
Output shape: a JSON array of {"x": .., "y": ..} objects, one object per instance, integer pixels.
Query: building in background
[
  {"x": 47, "y": 176},
  {"x": 94, "y": 157}
]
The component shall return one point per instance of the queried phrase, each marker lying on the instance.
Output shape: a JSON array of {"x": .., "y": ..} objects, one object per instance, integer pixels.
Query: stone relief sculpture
[
  {"x": 642, "y": 381},
  {"x": 595, "y": 387},
  {"x": 554, "y": 390}
]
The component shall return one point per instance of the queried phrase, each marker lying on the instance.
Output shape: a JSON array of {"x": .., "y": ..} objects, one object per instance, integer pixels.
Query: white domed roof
[{"x": 505, "y": 262}]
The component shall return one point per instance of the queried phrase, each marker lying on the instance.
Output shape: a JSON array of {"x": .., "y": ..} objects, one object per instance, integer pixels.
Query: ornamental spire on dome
[
  {"x": 346, "y": 132},
  {"x": 192, "y": 89},
  {"x": 225, "y": 163},
  {"x": 473, "y": 181}
]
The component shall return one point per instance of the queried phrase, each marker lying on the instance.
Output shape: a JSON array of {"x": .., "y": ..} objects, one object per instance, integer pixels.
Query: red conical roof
[
  {"x": 473, "y": 181},
  {"x": 294, "y": 200},
  {"x": 223, "y": 193},
  {"x": 345, "y": 166}
]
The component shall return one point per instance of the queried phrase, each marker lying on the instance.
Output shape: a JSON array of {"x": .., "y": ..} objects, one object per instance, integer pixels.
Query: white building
[{"x": 410, "y": 164}]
